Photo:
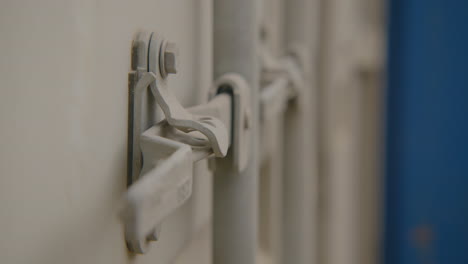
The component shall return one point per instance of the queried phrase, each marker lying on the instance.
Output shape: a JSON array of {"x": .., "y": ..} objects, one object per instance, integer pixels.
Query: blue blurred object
[{"x": 426, "y": 210}]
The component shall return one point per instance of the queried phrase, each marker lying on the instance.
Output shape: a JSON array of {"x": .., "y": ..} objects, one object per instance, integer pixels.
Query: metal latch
[
  {"x": 161, "y": 157},
  {"x": 281, "y": 81}
]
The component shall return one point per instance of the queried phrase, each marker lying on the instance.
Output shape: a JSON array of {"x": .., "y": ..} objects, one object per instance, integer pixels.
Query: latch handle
[
  {"x": 178, "y": 117},
  {"x": 165, "y": 184}
]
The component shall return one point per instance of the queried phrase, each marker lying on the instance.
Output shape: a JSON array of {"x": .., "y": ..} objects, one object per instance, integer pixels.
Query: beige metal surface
[
  {"x": 63, "y": 111},
  {"x": 351, "y": 84},
  {"x": 63, "y": 131}
]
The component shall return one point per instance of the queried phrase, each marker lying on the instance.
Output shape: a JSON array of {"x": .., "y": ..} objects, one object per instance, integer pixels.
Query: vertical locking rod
[
  {"x": 299, "y": 204},
  {"x": 235, "y": 194}
]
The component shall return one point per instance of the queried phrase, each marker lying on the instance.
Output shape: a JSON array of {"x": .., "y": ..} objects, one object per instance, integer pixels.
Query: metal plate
[{"x": 142, "y": 109}]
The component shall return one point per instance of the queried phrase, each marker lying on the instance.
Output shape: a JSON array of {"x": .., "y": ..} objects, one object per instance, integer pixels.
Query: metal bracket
[
  {"x": 178, "y": 117},
  {"x": 169, "y": 148},
  {"x": 282, "y": 80},
  {"x": 241, "y": 129}
]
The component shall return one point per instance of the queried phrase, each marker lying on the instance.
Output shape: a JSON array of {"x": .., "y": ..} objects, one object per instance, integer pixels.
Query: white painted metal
[
  {"x": 63, "y": 148},
  {"x": 235, "y": 194},
  {"x": 274, "y": 99},
  {"x": 275, "y": 92},
  {"x": 300, "y": 183},
  {"x": 164, "y": 185},
  {"x": 176, "y": 115},
  {"x": 68, "y": 117},
  {"x": 351, "y": 64},
  {"x": 165, "y": 181},
  {"x": 287, "y": 117},
  {"x": 241, "y": 115}
]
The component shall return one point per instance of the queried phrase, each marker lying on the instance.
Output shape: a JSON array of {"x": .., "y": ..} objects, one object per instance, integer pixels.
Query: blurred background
[{"x": 367, "y": 164}]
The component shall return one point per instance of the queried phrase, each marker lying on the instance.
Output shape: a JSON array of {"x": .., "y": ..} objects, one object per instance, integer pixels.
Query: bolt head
[{"x": 171, "y": 52}]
